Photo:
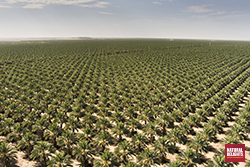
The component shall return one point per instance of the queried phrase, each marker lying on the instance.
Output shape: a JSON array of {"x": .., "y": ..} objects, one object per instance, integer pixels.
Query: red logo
[{"x": 234, "y": 152}]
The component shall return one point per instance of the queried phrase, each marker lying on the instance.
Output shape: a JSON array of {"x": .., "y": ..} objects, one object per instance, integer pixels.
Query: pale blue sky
[{"x": 196, "y": 19}]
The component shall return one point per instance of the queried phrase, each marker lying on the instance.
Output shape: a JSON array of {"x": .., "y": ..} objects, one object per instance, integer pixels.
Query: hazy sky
[{"x": 197, "y": 19}]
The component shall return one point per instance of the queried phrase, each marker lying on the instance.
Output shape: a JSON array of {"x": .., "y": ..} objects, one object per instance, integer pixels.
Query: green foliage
[
  {"x": 7, "y": 154},
  {"x": 86, "y": 97}
]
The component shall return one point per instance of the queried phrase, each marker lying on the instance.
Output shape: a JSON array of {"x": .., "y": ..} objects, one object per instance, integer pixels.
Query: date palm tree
[
  {"x": 176, "y": 136},
  {"x": 78, "y": 112},
  {"x": 83, "y": 151},
  {"x": 215, "y": 125},
  {"x": 150, "y": 130},
  {"x": 176, "y": 163},
  {"x": 199, "y": 144},
  {"x": 68, "y": 139},
  {"x": 7, "y": 154},
  {"x": 146, "y": 116},
  {"x": 124, "y": 151},
  {"x": 52, "y": 133},
  {"x": 5, "y": 127},
  {"x": 188, "y": 157},
  {"x": 186, "y": 127},
  {"x": 107, "y": 160},
  {"x": 209, "y": 134},
  {"x": 119, "y": 130},
  {"x": 29, "y": 121},
  {"x": 103, "y": 139},
  {"x": 117, "y": 117},
  {"x": 248, "y": 163},
  {"x": 40, "y": 126},
  {"x": 103, "y": 124},
  {"x": 219, "y": 160},
  {"x": 87, "y": 134},
  {"x": 60, "y": 160},
  {"x": 231, "y": 140},
  {"x": 73, "y": 124},
  {"x": 41, "y": 152},
  {"x": 163, "y": 146},
  {"x": 139, "y": 142},
  {"x": 165, "y": 120},
  {"x": 16, "y": 133},
  {"x": 89, "y": 120},
  {"x": 147, "y": 158},
  {"x": 238, "y": 132},
  {"x": 61, "y": 118},
  {"x": 27, "y": 143}
]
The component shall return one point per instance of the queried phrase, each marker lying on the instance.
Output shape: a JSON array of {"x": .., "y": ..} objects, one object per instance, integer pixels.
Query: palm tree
[
  {"x": 222, "y": 118},
  {"x": 215, "y": 125},
  {"x": 119, "y": 130},
  {"x": 186, "y": 127},
  {"x": 124, "y": 150},
  {"x": 52, "y": 133},
  {"x": 78, "y": 112},
  {"x": 176, "y": 136},
  {"x": 103, "y": 139},
  {"x": 208, "y": 133},
  {"x": 147, "y": 158},
  {"x": 150, "y": 131},
  {"x": 194, "y": 121},
  {"x": 73, "y": 124},
  {"x": 102, "y": 124},
  {"x": 83, "y": 151},
  {"x": 132, "y": 125},
  {"x": 87, "y": 134},
  {"x": 16, "y": 133},
  {"x": 68, "y": 139},
  {"x": 19, "y": 114},
  {"x": 165, "y": 120},
  {"x": 60, "y": 160},
  {"x": 29, "y": 121},
  {"x": 38, "y": 97},
  {"x": 117, "y": 117},
  {"x": 139, "y": 141},
  {"x": 199, "y": 144},
  {"x": 40, "y": 126},
  {"x": 187, "y": 158},
  {"x": 104, "y": 112},
  {"x": 219, "y": 160},
  {"x": 202, "y": 115},
  {"x": 163, "y": 146},
  {"x": 61, "y": 118},
  {"x": 27, "y": 143},
  {"x": 50, "y": 114},
  {"x": 231, "y": 140},
  {"x": 107, "y": 160},
  {"x": 89, "y": 120},
  {"x": 237, "y": 131},
  {"x": 176, "y": 163},
  {"x": 65, "y": 107},
  {"x": 130, "y": 113},
  {"x": 146, "y": 116},
  {"x": 41, "y": 152},
  {"x": 5, "y": 127},
  {"x": 7, "y": 154},
  {"x": 30, "y": 103}
]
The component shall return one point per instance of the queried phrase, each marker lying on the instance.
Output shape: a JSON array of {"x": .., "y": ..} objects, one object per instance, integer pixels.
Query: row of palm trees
[{"x": 103, "y": 99}]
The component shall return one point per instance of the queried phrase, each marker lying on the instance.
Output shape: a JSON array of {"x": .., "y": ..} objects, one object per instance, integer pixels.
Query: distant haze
[{"x": 194, "y": 19}]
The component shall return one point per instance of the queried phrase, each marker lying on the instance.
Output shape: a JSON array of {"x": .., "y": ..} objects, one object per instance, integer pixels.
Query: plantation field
[{"x": 124, "y": 102}]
